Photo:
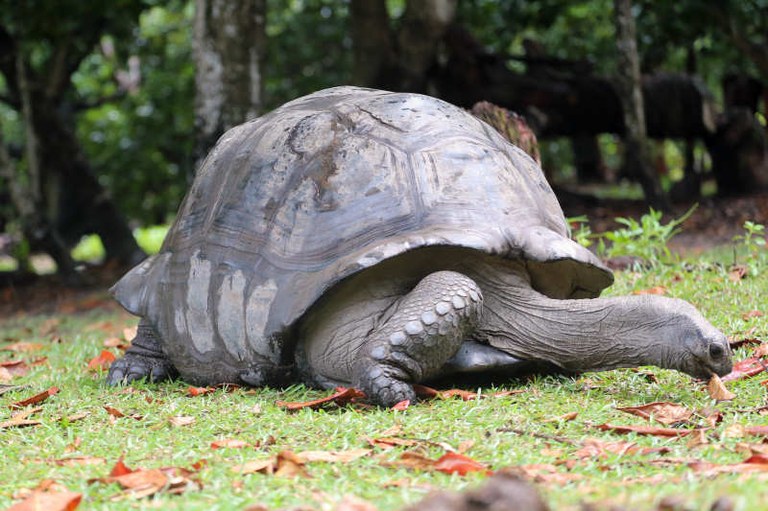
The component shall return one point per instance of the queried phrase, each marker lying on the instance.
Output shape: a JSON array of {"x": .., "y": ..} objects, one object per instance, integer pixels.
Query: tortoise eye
[{"x": 716, "y": 350}]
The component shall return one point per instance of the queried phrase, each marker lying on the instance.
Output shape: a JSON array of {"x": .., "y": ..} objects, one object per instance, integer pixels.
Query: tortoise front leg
[
  {"x": 144, "y": 359},
  {"x": 425, "y": 330}
]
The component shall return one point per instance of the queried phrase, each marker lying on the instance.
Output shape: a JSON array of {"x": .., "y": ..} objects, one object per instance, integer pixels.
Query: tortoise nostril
[{"x": 716, "y": 350}]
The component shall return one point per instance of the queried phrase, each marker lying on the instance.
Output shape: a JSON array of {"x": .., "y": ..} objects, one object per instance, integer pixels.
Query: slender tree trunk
[
  {"x": 371, "y": 42},
  {"x": 229, "y": 44},
  {"x": 637, "y": 157},
  {"x": 423, "y": 26}
]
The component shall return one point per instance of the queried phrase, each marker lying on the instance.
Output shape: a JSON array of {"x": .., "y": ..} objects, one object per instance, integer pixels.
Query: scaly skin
[{"x": 426, "y": 330}]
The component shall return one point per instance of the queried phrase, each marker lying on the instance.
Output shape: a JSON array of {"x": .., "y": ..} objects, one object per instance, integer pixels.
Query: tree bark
[
  {"x": 371, "y": 43},
  {"x": 229, "y": 45},
  {"x": 637, "y": 158}
]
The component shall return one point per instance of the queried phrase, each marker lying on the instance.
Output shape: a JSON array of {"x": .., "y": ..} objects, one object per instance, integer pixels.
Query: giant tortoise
[{"x": 373, "y": 239}]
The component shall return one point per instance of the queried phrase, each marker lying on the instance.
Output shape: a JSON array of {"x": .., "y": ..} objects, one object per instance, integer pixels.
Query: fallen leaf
[
  {"x": 752, "y": 314},
  {"x": 199, "y": 391},
  {"x": 11, "y": 388},
  {"x": 656, "y": 290},
  {"x": 37, "y": 398},
  {"x": 745, "y": 369},
  {"x": 77, "y": 460},
  {"x": 387, "y": 443},
  {"x": 734, "y": 344},
  {"x": 454, "y": 463},
  {"x": 130, "y": 332},
  {"x": 448, "y": 463},
  {"x": 284, "y": 464},
  {"x": 542, "y": 473},
  {"x": 119, "y": 469},
  {"x": 340, "y": 397},
  {"x": 402, "y": 405},
  {"x": 102, "y": 361},
  {"x": 140, "y": 482},
  {"x": 48, "y": 501},
  {"x": 21, "y": 419},
  {"x": 696, "y": 439},
  {"x": 332, "y": 456},
  {"x": 661, "y": 411},
  {"x": 229, "y": 443},
  {"x": 22, "y": 347},
  {"x": 115, "y": 342},
  {"x": 648, "y": 430},
  {"x": 352, "y": 503},
  {"x": 717, "y": 390},
  {"x": 562, "y": 418},
  {"x": 13, "y": 368},
  {"x": 737, "y": 272},
  {"x": 182, "y": 420},
  {"x": 754, "y": 463}
]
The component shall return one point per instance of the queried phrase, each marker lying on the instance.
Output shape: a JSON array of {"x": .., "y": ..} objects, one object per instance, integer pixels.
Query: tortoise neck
[{"x": 580, "y": 335}]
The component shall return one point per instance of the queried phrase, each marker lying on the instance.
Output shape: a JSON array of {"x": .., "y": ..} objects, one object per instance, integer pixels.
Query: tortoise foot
[
  {"x": 144, "y": 359},
  {"x": 134, "y": 367},
  {"x": 426, "y": 329}
]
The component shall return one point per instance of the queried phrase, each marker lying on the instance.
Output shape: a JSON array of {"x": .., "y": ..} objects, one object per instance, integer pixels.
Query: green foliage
[
  {"x": 580, "y": 230},
  {"x": 646, "y": 239},
  {"x": 753, "y": 243},
  {"x": 140, "y": 139}
]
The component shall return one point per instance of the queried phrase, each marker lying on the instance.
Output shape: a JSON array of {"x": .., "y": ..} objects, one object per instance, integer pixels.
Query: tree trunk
[
  {"x": 637, "y": 158},
  {"x": 371, "y": 43},
  {"x": 229, "y": 44},
  {"x": 423, "y": 25}
]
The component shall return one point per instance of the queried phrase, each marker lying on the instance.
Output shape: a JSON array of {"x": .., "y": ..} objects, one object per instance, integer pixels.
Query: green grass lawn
[{"x": 77, "y": 440}]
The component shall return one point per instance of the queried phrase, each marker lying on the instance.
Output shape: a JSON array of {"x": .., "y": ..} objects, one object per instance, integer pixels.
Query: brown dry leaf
[
  {"x": 542, "y": 473},
  {"x": 696, "y": 439},
  {"x": 717, "y": 390},
  {"x": 77, "y": 460},
  {"x": 738, "y": 343},
  {"x": 115, "y": 342},
  {"x": 656, "y": 290},
  {"x": 594, "y": 448},
  {"x": 746, "y": 368},
  {"x": 448, "y": 463},
  {"x": 754, "y": 463},
  {"x": 737, "y": 272},
  {"x": 562, "y": 418},
  {"x": 13, "y": 368},
  {"x": 48, "y": 501},
  {"x": 36, "y": 399},
  {"x": 387, "y": 443},
  {"x": 130, "y": 332},
  {"x": 340, "y": 397},
  {"x": 333, "y": 456},
  {"x": 662, "y": 412},
  {"x": 182, "y": 420},
  {"x": 229, "y": 443},
  {"x": 22, "y": 347},
  {"x": 284, "y": 464},
  {"x": 752, "y": 314},
  {"x": 752, "y": 449},
  {"x": 21, "y": 419},
  {"x": 117, "y": 414},
  {"x": 352, "y": 503},
  {"x": 648, "y": 430},
  {"x": 140, "y": 483}
]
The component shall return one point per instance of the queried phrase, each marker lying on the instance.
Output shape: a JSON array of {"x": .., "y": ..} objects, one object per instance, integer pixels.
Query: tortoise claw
[{"x": 134, "y": 367}]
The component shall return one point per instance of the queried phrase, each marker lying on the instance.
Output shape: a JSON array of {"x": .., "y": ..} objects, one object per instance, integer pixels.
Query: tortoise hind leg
[
  {"x": 425, "y": 330},
  {"x": 144, "y": 359}
]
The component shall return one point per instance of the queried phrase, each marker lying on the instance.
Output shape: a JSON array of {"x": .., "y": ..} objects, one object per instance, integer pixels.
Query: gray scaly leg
[
  {"x": 144, "y": 359},
  {"x": 426, "y": 329}
]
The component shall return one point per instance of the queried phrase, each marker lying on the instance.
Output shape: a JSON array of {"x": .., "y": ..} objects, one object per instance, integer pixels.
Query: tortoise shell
[{"x": 289, "y": 204}]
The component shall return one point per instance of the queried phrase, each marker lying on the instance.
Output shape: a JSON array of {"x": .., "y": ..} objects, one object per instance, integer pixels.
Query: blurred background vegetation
[{"x": 120, "y": 75}]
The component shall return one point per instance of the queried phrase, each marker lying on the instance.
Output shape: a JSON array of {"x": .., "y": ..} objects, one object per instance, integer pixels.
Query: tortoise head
[{"x": 704, "y": 349}]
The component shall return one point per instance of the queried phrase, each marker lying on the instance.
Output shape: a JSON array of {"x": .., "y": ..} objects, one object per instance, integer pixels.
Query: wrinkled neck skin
[{"x": 586, "y": 334}]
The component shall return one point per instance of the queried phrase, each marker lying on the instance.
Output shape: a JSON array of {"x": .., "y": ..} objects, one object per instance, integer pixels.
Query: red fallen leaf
[
  {"x": 120, "y": 469},
  {"x": 648, "y": 430},
  {"x": 229, "y": 443},
  {"x": 15, "y": 367},
  {"x": 402, "y": 405},
  {"x": 102, "y": 361},
  {"x": 49, "y": 501},
  {"x": 117, "y": 414},
  {"x": 754, "y": 463},
  {"x": 199, "y": 391},
  {"x": 656, "y": 290},
  {"x": 37, "y": 398},
  {"x": 745, "y": 369},
  {"x": 756, "y": 430},
  {"x": 454, "y": 463},
  {"x": 734, "y": 344},
  {"x": 425, "y": 392},
  {"x": 340, "y": 397},
  {"x": 22, "y": 347}
]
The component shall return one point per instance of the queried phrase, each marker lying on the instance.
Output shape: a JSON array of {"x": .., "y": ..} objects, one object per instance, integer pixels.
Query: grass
[{"x": 29, "y": 454}]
